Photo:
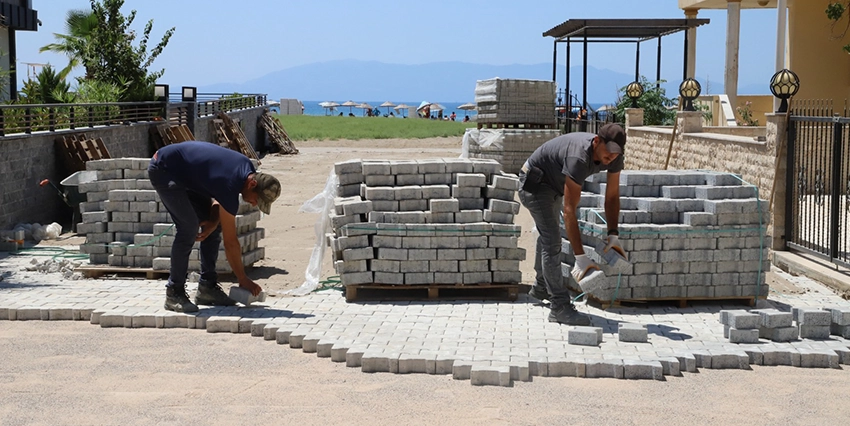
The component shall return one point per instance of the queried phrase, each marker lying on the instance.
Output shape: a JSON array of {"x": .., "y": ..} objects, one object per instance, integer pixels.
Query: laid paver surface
[{"x": 459, "y": 337}]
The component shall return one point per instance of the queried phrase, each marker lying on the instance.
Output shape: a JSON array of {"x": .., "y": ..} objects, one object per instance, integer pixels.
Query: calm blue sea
[{"x": 313, "y": 108}]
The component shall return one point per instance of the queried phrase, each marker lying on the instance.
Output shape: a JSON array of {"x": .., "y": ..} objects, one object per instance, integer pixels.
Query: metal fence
[
  {"x": 818, "y": 184},
  {"x": 29, "y": 118}
]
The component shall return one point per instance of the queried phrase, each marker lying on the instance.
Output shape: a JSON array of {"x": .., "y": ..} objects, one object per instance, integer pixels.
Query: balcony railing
[{"x": 29, "y": 118}]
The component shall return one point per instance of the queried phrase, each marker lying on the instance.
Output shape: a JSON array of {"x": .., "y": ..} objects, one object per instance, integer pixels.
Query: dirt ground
[{"x": 77, "y": 373}]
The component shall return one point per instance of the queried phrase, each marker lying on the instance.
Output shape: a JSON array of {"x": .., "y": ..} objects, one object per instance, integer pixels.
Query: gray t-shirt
[{"x": 569, "y": 155}]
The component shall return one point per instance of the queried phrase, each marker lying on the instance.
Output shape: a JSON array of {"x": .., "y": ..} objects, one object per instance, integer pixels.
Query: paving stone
[
  {"x": 585, "y": 336},
  {"x": 780, "y": 334},
  {"x": 743, "y": 336},
  {"x": 354, "y": 356},
  {"x": 324, "y": 348},
  {"x": 671, "y": 366},
  {"x": 171, "y": 320},
  {"x": 781, "y": 356},
  {"x": 815, "y": 358},
  {"x": 840, "y": 330},
  {"x": 339, "y": 352},
  {"x": 635, "y": 333},
  {"x": 814, "y": 317},
  {"x": 772, "y": 318},
  {"x": 819, "y": 332},
  {"x": 840, "y": 315},
  {"x": 110, "y": 319},
  {"x": 487, "y": 375},
  {"x": 843, "y": 355},
  {"x": 601, "y": 368},
  {"x": 461, "y": 370},
  {"x": 142, "y": 320},
  {"x": 642, "y": 370},
  {"x": 309, "y": 343},
  {"x": 220, "y": 324}
]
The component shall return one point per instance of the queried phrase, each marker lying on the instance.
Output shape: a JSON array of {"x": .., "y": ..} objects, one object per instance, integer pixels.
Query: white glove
[
  {"x": 583, "y": 267},
  {"x": 614, "y": 243}
]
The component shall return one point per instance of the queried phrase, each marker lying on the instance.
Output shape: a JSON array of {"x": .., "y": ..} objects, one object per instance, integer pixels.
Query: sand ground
[{"x": 76, "y": 373}]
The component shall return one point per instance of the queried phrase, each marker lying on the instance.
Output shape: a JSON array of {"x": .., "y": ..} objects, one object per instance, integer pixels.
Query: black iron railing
[
  {"x": 213, "y": 103},
  {"x": 818, "y": 181},
  {"x": 23, "y": 118}
]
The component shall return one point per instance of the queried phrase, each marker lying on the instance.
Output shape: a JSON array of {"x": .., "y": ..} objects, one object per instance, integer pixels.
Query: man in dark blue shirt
[
  {"x": 551, "y": 180},
  {"x": 200, "y": 184}
]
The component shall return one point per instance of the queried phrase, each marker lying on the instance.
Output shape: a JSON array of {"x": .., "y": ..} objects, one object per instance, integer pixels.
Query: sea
[{"x": 313, "y": 108}]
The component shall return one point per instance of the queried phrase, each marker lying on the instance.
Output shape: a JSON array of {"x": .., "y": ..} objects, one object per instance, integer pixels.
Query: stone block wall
[{"x": 441, "y": 221}]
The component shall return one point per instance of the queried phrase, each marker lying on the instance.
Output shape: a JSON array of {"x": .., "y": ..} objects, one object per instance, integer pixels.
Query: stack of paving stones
[
  {"x": 510, "y": 147},
  {"x": 514, "y": 101},
  {"x": 777, "y": 326},
  {"x": 511, "y": 103},
  {"x": 126, "y": 224},
  {"x": 688, "y": 235},
  {"x": 441, "y": 221}
]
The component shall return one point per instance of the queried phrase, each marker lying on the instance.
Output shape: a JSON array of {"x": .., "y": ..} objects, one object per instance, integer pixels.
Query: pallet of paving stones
[
  {"x": 127, "y": 226},
  {"x": 515, "y": 101},
  {"x": 689, "y": 235},
  {"x": 438, "y": 222},
  {"x": 680, "y": 302},
  {"x": 509, "y": 147},
  {"x": 364, "y": 292},
  {"x": 529, "y": 126}
]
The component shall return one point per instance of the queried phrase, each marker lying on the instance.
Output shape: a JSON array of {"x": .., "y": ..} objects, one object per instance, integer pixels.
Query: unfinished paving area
[{"x": 483, "y": 342}]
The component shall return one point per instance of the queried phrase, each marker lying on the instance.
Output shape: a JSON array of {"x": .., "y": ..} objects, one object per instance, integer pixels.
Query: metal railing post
[
  {"x": 835, "y": 198},
  {"x": 790, "y": 180}
]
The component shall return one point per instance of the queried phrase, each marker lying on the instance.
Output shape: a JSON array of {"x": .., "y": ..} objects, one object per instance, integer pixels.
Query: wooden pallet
[
  {"x": 516, "y": 125},
  {"x": 76, "y": 150},
  {"x": 360, "y": 292},
  {"x": 100, "y": 271},
  {"x": 164, "y": 134},
  {"x": 229, "y": 134},
  {"x": 680, "y": 302},
  {"x": 277, "y": 134}
]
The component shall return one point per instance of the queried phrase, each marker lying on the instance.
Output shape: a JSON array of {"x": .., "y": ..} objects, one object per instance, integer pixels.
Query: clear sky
[{"x": 232, "y": 41}]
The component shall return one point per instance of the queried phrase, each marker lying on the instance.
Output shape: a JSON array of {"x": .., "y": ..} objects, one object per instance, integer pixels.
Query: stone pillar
[
  {"x": 781, "y": 30},
  {"x": 689, "y": 122},
  {"x": 733, "y": 35},
  {"x": 692, "y": 44},
  {"x": 777, "y": 135},
  {"x": 634, "y": 117}
]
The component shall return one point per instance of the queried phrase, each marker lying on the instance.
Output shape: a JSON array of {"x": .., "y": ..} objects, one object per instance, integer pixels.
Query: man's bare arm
[
  {"x": 572, "y": 196},
  {"x": 612, "y": 200}
]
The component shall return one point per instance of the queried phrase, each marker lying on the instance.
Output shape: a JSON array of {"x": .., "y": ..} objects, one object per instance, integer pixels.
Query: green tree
[
  {"x": 655, "y": 104},
  {"x": 835, "y": 11},
  {"x": 79, "y": 24}
]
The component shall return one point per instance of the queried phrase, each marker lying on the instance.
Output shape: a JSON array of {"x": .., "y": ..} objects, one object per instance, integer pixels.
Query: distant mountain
[{"x": 438, "y": 81}]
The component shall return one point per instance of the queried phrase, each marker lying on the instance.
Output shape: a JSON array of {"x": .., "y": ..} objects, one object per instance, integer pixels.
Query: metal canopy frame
[{"x": 636, "y": 31}]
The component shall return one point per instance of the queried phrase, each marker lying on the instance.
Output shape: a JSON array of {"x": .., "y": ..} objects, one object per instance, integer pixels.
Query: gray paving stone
[
  {"x": 642, "y": 370},
  {"x": 635, "y": 333},
  {"x": 670, "y": 366},
  {"x": 602, "y": 368},
  {"x": 461, "y": 370},
  {"x": 110, "y": 319},
  {"x": 171, "y": 320},
  {"x": 815, "y": 358},
  {"x": 814, "y": 317},
  {"x": 488, "y": 375},
  {"x": 354, "y": 356},
  {"x": 743, "y": 336},
  {"x": 840, "y": 315},
  {"x": 820, "y": 332},
  {"x": 781, "y": 356},
  {"x": 584, "y": 336}
]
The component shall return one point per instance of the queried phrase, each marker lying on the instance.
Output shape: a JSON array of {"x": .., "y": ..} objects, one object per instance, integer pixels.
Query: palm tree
[{"x": 79, "y": 25}]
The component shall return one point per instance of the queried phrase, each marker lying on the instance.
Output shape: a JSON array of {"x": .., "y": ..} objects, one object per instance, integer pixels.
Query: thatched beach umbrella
[
  {"x": 469, "y": 106},
  {"x": 349, "y": 104},
  {"x": 329, "y": 106},
  {"x": 364, "y": 106},
  {"x": 388, "y": 105},
  {"x": 402, "y": 108}
]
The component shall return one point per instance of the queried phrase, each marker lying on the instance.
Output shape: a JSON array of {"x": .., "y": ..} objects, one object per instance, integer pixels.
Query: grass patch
[{"x": 308, "y": 127}]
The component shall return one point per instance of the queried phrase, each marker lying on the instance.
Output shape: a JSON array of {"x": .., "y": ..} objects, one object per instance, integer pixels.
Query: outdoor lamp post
[
  {"x": 634, "y": 91},
  {"x": 190, "y": 94},
  {"x": 689, "y": 90},
  {"x": 784, "y": 84},
  {"x": 160, "y": 92}
]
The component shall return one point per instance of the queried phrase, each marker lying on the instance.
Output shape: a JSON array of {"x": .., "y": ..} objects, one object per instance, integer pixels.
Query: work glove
[
  {"x": 583, "y": 267},
  {"x": 613, "y": 242}
]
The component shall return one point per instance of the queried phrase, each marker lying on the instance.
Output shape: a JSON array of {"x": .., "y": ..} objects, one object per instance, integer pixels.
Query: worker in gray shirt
[{"x": 552, "y": 178}]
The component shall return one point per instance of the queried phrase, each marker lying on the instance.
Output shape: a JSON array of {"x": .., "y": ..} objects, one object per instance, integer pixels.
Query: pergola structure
[{"x": 636, "y": 31}]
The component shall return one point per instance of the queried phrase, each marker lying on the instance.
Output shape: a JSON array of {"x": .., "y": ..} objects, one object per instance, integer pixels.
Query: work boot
[
  {"x": 177, "y": 300},
  {"x": 210, "y": 293},
  {"x": 538, "y": 293},
  {"x": 568, "y": 314}
]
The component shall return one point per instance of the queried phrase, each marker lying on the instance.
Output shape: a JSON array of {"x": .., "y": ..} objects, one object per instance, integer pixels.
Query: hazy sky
[{"x": 219, "y": 41}]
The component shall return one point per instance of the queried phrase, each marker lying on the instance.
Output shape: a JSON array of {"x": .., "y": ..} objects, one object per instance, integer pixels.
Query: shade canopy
[
  {"x": 401, "y": 106},
  {"x": 622, "y": 29},
  {"x": 350, "y": 104},
  {"x": 469, "y": 106},
  {"x": 387, "y": 104}
]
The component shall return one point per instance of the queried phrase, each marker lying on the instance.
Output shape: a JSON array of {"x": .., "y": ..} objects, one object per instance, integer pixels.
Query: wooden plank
[
  {"x": 101, "y": 148},
  {"x": 100, "y": 271},
  {"x": 431, "y": 292}
]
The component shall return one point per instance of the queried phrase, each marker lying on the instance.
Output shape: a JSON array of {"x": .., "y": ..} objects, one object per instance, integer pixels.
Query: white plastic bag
[{"x": 322, "y": 203}]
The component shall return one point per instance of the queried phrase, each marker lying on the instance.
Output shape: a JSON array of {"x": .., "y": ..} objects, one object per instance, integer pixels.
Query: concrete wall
[
  {"x": 27, "y": 159},
  {"x": 4, "y": 62},
  {"x": 819, "y": 61}
]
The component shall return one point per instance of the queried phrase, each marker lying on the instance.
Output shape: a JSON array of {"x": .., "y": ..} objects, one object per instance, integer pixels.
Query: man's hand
[
  {"x": 250, "y": 285},
  {"x": 613, "y": 243},
  {"x": 207, "y": 227},
  {"x": 583, "y": 267}
]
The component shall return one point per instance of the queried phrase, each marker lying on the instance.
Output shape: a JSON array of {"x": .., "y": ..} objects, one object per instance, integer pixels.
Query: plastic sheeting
[
  {"x": 322, "y": 203},
  {"x": 485, "y": 138}
]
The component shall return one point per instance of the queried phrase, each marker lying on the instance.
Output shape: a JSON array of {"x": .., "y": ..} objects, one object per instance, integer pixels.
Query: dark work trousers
[
  {"x": 545, "y": 206},
  {"x": 187, "y": 209}
]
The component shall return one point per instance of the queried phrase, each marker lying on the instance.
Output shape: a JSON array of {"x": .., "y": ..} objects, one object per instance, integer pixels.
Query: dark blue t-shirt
[{"x": 207, "y": 169}]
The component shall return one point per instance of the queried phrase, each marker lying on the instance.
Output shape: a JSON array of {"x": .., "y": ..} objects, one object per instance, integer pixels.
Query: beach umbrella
[
  {"x": 349, "y": 104},
  {"x": 469, "y": 106},
  {"x": 402, "y": 108},
  {"x": 388, "y": 105},
  {"x": 364, "y": 106},
  {"x": 329, "y": 106}
]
